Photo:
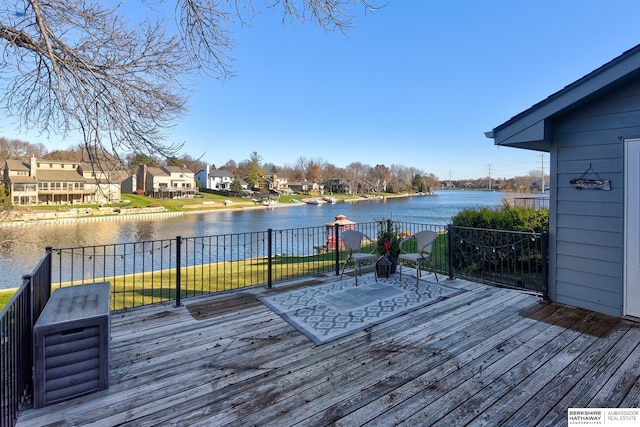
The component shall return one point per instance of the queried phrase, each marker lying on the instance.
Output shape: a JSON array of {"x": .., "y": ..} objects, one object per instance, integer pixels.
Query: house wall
[
  {"x": 587, "y": 226},
  {"x": 129, "y": 185},
  {"x": 202, "y": 177}
]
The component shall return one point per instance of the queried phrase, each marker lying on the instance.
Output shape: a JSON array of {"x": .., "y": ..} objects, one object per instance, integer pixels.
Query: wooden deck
[{"x": 485, "y": 357}]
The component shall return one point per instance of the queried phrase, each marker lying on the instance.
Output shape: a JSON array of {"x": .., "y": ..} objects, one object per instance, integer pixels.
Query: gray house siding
[
  {"x": 587, "y": 267},
  {"x": 586, "y": 124}
]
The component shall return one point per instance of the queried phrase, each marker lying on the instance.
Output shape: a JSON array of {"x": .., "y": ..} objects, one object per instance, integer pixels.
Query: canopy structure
[{"x": 344, "y": 224}]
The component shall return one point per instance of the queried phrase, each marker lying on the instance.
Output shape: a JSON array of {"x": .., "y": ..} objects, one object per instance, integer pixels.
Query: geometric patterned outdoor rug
[{"x": 327, "y": 312}]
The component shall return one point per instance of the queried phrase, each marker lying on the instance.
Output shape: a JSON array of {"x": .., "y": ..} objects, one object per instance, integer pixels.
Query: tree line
[
  {"x": 363, "y": 178},
  {"x": 359, "y": 177}
]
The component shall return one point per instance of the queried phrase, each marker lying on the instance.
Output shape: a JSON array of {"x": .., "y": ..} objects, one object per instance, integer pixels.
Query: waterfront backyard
[{"x": 486, "y": 356}]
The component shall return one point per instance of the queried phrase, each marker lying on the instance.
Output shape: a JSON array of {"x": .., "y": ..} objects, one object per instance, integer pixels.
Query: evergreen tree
[
  {"x": 236, "y": 186},
  {"x": 255, "y": 174}
]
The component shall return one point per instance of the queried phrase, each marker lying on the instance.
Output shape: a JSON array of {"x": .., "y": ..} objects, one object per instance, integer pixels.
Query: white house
[{"x": 217, "y": 179}]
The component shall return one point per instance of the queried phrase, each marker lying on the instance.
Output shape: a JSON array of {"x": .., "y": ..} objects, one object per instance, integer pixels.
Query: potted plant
[{"x": 388, "y": 243}]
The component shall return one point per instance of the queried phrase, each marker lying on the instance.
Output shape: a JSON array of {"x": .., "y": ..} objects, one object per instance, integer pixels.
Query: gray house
[{"x": 591, "y": 129}]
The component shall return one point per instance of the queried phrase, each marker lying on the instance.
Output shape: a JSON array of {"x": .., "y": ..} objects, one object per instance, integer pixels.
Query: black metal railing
[
  {"x": 155, "y": 271},
  {"x": 541, "y": 202},
  {"x": 506, "y": 258},
  {"x": 16, "y": 339}
]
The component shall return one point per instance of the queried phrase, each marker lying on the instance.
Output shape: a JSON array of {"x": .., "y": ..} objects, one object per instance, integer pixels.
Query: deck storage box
[{"x": 71, "y": 344}]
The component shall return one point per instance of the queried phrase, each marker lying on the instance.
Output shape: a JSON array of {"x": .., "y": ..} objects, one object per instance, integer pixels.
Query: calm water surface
[{"x": 26, "y": 245}]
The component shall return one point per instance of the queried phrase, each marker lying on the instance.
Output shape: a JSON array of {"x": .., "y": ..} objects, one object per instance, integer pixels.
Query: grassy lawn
[
  {"x": 204, "y": 201},
  {"x": 133, "y": 290},
  {"x": 210, "y": 201},
  {"x": 5, "y": 296}
]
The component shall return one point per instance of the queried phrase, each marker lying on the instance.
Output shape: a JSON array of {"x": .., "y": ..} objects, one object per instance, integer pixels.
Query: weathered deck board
[{"x": 482, "y": 357}]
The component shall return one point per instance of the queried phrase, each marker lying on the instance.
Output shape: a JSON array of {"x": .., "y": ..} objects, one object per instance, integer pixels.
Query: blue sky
[{"x": 415, "y": 83}]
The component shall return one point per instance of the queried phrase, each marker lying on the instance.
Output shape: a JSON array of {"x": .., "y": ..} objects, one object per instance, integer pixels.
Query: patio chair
[
  {"x": 423, "y": 245},
  {"x": 352, "y": 240}
]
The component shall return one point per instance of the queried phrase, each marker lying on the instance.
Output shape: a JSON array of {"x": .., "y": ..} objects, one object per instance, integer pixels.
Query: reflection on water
[{"x": 24, "y": 246}]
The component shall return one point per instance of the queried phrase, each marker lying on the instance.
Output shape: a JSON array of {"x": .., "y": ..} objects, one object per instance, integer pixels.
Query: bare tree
[
  {"x": 16, "y": 149},
  {"x": 230, "y": 166},
  {"x": 379, "y": 176},
  {"x": 356, "y": 173},
  {"x": 78, "y": 66}
]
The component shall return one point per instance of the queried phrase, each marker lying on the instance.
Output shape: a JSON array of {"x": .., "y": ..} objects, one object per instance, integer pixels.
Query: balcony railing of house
[
  {"x": 537, "y": 203},
  {"x": 170, "y": 270}
]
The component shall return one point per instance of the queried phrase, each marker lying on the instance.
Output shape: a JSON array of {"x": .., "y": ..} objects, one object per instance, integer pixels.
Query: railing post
[
  {"x": 25, "y": 359},
  {"x": 269, "y": 258},
  {"x": 544, "y": 237},
  {"x": 178, "y": 270},
  {"x": 32, "y": 299},
  {"x": 450, "y": 249},
  {"x": 336, "y": 241},
  {"x": 47, "y": 290}
]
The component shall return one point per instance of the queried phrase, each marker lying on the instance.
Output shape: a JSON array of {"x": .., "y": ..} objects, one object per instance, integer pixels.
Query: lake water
[{"x": 26, "y": 245}]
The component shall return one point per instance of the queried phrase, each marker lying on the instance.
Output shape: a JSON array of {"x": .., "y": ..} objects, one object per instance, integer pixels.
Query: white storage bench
[{"x": 71, "y": 344}]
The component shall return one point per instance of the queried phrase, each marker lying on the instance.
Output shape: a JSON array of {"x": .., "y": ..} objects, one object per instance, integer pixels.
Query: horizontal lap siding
[{"x": 589, "y": 236}]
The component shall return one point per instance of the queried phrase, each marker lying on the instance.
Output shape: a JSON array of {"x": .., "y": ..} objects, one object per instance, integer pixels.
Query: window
[{"x": 24, "y": 187}]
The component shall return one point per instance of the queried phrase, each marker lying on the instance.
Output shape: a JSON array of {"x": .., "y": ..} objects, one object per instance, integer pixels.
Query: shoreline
[{"x": 151, "y": 214}]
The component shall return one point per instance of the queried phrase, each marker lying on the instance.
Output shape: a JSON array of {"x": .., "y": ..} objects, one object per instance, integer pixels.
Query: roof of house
[
  {"x": 221, "y": 173},
  {"x": 22, "y": 179},
  {"x": 59, "y": 175},
  {"x": 17, "y": 165},
  {"x": 531, "y": 128},
  {"x": 156, "y": 171},
  {"x": 176, "y": 169}
]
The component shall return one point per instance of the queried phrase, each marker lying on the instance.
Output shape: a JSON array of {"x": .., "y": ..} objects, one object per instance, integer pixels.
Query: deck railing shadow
[{"x": 169, "y": 270}]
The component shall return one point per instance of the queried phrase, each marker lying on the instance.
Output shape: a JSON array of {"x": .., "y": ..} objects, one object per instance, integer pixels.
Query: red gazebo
[{"x": 344, "y": 224}]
